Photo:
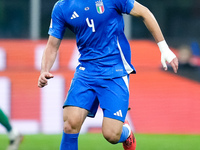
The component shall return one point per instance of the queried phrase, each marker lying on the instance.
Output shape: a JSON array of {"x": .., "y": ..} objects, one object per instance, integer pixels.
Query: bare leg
[
  {"x": 112, "y": 129},
  {"x": 73, "y": 119}
]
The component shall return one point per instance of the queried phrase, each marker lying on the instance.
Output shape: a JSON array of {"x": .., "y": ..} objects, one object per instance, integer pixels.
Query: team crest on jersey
[{"x": 100, "y": 7}]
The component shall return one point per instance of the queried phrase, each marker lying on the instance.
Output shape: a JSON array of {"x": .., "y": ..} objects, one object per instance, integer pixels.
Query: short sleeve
[
  {"x": 57, "y": 26},
  {"x": 125, "y": 6}
]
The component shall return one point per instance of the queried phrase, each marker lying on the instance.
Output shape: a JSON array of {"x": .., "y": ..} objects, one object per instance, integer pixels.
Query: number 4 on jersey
[{"x": 91, "y": 25}]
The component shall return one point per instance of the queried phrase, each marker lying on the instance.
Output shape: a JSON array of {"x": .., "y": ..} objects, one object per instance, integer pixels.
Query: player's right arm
[
  {"x": 56, "y": 32},
  {"x": 48, "y": 59}
]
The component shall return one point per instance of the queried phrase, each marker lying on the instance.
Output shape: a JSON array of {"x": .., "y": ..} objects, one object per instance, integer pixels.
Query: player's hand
[
  {"x": 170, "y": 57},
  {"x": 174, "y": 64},
  {"x": 43, "y": 79},
  {"x": 167, "y": 56}
]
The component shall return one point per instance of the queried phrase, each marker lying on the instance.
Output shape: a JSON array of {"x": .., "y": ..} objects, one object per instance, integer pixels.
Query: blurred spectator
[
  {"x": 186, "y": 66},
  {"x": 184, "y": 56},
  {"x": 195, "y": 54}
]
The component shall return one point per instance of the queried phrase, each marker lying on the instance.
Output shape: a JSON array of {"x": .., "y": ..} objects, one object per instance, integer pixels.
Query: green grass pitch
[{"x": 97, "y": 142}]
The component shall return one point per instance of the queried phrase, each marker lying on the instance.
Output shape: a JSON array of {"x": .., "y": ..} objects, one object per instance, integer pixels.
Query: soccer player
[
  {"x": 102, "y": 77},
  {"x": 14, "y": 136}
]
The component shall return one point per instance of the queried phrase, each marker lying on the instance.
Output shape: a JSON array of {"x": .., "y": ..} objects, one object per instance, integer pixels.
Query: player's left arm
[{"x": 152, "y": 25}]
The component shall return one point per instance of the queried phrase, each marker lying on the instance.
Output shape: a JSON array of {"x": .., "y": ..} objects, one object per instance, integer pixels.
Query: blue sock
[
  {"x": 69, "y": 141},
  {"x": 124, "y": 135}
]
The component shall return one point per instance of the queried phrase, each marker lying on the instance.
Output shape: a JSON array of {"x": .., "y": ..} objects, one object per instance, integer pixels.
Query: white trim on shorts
[{"x": 125, "y": 78}]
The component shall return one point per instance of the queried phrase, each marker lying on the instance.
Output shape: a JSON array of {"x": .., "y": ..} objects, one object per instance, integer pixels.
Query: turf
[{"x": 97, "y": 142}]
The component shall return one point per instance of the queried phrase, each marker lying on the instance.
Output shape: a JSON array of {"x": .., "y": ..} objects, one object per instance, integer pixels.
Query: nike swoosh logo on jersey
[{"x": 74, "y": 15}]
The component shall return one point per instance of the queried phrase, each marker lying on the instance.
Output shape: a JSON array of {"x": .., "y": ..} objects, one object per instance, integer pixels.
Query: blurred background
[
  {"x": 179, "y": 19},
  {"x": 161, "y": 102}
]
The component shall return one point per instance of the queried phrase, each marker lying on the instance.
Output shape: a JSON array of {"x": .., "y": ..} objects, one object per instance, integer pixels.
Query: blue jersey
[{"x": 99, "y": 29}]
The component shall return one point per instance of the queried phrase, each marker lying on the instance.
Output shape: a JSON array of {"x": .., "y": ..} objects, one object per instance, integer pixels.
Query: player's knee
[
  {"x": 71, "y": 127},
  {"x": 112, "y": 136}
]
